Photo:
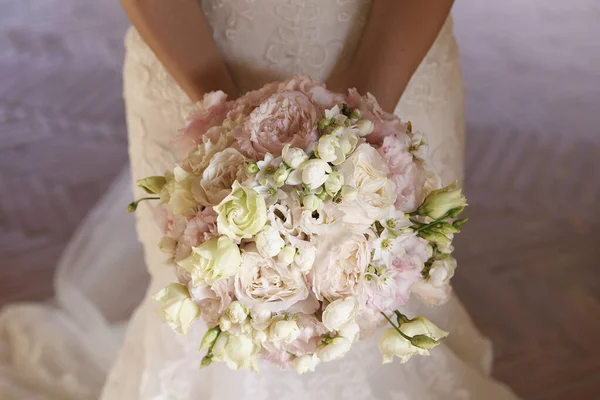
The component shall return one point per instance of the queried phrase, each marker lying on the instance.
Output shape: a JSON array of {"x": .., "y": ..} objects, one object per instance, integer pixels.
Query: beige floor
[{"x": 529, "y": 271}]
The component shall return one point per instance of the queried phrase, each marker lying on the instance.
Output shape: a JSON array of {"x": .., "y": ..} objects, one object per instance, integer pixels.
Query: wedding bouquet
[{"x": 299, "y": 221}]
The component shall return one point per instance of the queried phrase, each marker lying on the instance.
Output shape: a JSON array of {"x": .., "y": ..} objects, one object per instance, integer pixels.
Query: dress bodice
[{"x": 266, "y": 40}]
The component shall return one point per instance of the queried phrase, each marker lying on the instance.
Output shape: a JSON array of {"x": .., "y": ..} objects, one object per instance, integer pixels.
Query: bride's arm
[
  {"x": 396, "y": 38},
  {"x": 179, "y": 35}
]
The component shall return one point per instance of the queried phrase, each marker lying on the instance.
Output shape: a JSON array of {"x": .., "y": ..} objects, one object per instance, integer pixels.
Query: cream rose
[
  {"x": 242, "y": 214},
  {"x": 224, "y": 169},
  {"x": 262, "y": 284},
  {"x": 367, "y": 172},
  {"x": 285, "y": 117}
]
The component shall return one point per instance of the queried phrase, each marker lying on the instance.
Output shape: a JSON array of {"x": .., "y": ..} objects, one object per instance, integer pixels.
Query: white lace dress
[{"x": 261, "y": 41}]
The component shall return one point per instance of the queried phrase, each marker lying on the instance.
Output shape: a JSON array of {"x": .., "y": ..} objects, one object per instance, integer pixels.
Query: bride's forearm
[
  {"x": 396, "y": 38},
  {"x": 179, "y": 35}
]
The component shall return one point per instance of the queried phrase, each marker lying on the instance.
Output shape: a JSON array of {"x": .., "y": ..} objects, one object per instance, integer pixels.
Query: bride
[{"x": 179, "y": 51}]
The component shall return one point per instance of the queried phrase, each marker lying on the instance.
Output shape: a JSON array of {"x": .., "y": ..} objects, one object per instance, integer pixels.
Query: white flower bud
[
  {"x": 348, "y": 142},
  {"x": 286, "y": 256},
  {"x": 284, "y": 331},
  {"x": 210, "y": 337},
  {"x": 293, "y": 156},
  {"x": 236, "y": 312},
  {"x": 280, "y": 176},
  {"x": 306, "y": 363},
  {"x": 326, "y": 148},
  {"x": 339, "y": 313},
  {"x": 314, "y": 173},
  {"x": 334, "y": 183},
  {"x": 439, "y": 202},
  {"x": 260, "y": 319},
  {"x": 311, "y": 202},
  {"x": 225, "y": 323},
  {"x": 349, "y": 193},
  {"x": 305, "y": 258},
  {"x": 334, "y": 349},
  {"x": 269, "y": 242},
  {"x": 365, "y": 127}
]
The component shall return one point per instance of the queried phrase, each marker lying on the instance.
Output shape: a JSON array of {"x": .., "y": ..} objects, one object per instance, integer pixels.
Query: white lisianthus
[
  {"x": 350, "y": 331},
  {"x": 242, "y": 214},
  {"x": 261, "y": 283},
  {"x": 177, "y": 307},
  {"x": 217, "y": 258},
  {"x": 269, "y": 242},
  {"x": 367, "y": 172},
  {"x": 436, "y": 289},
  {"x": 440, "y": 201},
  {"x": 328, "y": 149},
  {"x": 422, "y": 333},
  {"x": 223, "y": 169},
  {"x": 260, "y": 319},
  {"x": 176, "y": 192},
  {"x": 365, "y": 127},
  {"x": 306, "y": 363},
  {"x": 334, "y": 183},
  {"x": 305, "y": 258},
  {"x": 328, "y": 219},
  {"x": 286, "y": 256},
  {"x": 314, "y": 173},
  {"x": 333, "y": 349},
  {"x": 339, "y": 313},
  {"x": 293, "y": 156},
  {"x": 284, "y": 331},
  {"x": 237, "y": 351}
]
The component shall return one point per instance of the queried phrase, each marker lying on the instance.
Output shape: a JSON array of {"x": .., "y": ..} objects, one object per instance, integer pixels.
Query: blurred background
[{"x": 529, "y": 276}]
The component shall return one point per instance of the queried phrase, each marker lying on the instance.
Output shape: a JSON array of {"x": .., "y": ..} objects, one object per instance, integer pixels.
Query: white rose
[
  {"x": 217, "y": 258},
  {"x": 314, "y": 173},
  {"x": 284, "y": 331},
  {"x": 217, "y": 179},
  {"x": 333, "y": 349},
  {"x": 242, "y": 214},
  {"x": 237, "y": 351},
  {"x": 340, "y": 266},
  {"x": 339, "y": 313},
  {"x": 261, "y": 283},
  {"x": 293, "y": 156},
  {"x": 177, "y": 307},
  {"x": 306, "y": 363},
  {"x": 269, "y": 242},
  {"x": 367, "y": 172},
  {"x": 436, "y": 289}
]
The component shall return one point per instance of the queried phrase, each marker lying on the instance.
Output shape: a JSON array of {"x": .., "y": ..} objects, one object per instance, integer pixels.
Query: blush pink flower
[
  {"x": 386, "y": 124},
  {"x": 210, "y": 112},
  {"x": 316, "y": 91},
  {"x": 286, "y": 117},
  {"x": 201, "y": 228}
]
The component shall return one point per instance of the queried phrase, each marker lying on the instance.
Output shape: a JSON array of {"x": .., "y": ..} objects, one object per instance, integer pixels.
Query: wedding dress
[{"x": 261, "y": 41}]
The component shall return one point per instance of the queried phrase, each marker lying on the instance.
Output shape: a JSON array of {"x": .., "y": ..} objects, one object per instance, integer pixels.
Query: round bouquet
[{"x": 300, "y": 221}]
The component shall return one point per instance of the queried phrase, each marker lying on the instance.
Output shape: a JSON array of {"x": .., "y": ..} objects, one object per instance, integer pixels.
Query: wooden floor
[{"x": 529, "y": 271}]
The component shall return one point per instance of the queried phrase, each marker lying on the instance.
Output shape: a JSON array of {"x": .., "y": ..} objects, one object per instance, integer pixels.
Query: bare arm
[
  {"x": 179, "y": 35},
  {"x": 396, "y": 38}
]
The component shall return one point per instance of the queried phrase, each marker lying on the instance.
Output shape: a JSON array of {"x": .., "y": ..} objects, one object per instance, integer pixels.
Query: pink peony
[
  {"x": 316, "y": 91},
  {"x": 210, "y": 112},
  {"x": 286, "y": 117},
  {"x": 386, "y": 124}
]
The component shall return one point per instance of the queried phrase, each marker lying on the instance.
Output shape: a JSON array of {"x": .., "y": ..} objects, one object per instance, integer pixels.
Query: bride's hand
[
  {"x": 179, "y": 35},
  {"x": 396, "y": 38}
]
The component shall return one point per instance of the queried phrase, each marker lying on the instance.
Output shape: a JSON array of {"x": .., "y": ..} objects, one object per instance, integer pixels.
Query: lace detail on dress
[{"x": 262, "y": 41}]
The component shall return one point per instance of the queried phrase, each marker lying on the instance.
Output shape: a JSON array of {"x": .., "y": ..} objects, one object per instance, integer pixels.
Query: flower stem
[
  {"x": 396, "y": 327},
  {"x": 134, "y": 204}
]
